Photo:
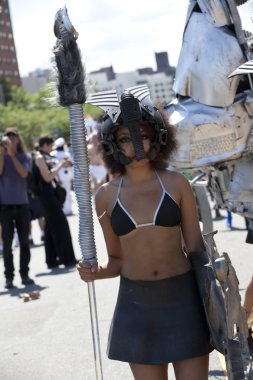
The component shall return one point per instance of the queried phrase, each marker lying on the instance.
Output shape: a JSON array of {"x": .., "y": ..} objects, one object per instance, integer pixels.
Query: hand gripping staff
[{"x": 72, "y": 94}]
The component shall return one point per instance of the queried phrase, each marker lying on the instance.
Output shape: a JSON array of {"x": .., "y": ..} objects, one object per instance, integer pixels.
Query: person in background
[
  {"x": 15, "y": 213},
  {"x": 36, "y": 208},
  {"x": 65, "y": 174},
  {"x": 249, "y": 227},
  {"x": 229, "y": 220},
  {"x": 98, "y": 171},
  {"x": 58, "y": 242}
]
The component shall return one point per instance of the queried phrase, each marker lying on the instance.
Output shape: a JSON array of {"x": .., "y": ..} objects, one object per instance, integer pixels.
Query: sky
[{"x": 125, "y": 34}]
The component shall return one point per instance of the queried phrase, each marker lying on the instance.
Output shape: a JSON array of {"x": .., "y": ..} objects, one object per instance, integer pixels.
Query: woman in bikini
[{"x": 150, "y": 224}]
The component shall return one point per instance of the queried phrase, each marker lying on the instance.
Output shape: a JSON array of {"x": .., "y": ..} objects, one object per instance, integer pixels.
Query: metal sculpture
[
  {"x": 213, "y": 114},
  {"x": 226, "y": 317},
  {"x": 213, "y": 110},
  {"x": 72, "y": 94}
]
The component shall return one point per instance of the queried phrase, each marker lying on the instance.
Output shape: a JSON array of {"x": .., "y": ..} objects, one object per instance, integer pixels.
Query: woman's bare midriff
[{"x": 153, "y": 253}]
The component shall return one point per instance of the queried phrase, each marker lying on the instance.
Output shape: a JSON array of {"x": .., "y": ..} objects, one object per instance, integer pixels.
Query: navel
[{"x": 155, "y": 273}]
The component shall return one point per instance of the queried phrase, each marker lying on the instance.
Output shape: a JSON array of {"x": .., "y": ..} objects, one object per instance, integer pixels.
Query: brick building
[{"x": 9, "y": 72}]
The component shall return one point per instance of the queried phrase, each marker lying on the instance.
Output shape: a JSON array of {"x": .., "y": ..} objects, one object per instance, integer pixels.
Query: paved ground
[{"x": 50, "y": 338}]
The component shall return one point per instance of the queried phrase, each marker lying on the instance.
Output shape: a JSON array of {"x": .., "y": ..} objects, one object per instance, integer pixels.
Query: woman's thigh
[
  {"x": 192, "y": 369},
  {"x": 149, "y": 371}
]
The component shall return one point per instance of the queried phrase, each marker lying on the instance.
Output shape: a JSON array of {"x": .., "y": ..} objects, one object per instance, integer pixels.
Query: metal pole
[
  {"x": 95, "y": 331},
  {"x": 72, "y": 94},
  {"x": 86, "y": 230}
]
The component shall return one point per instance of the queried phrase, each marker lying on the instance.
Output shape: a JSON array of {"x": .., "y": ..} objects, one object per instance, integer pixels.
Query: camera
[{"x": 3, "y": 139}]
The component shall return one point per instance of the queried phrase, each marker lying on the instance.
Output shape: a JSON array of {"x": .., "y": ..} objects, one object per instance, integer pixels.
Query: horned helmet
[{"x": 134, "y": 108}]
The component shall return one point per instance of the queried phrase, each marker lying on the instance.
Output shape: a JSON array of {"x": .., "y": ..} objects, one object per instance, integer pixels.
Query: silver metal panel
[
  {"x": 236, "y": 21},
  {"x": 216, "y": 11},
  {"x": 245, "y": 68},
  {"x": 207, "y": 135},
  {"x": 140, "y": 92},
  {"x": 109, "y": 100},
  {"x": 208, "y": 55},
  {"x": 240, "y": 198},
  {"x": 249, "y": 102},
  {"x": 214, "y": 121}
]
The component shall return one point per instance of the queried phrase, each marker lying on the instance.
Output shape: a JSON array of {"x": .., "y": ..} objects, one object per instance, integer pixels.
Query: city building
[
  {"x": 162, "y": 63},
  {"x": 159, "y": 81},
  {"x": 36, "y": 80},
  {"x": 9, "y": 71},
  {"x": 160, "y": 84}
]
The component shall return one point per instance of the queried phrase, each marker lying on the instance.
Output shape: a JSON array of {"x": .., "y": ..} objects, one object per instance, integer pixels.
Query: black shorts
[{"x": 158, "y": 322}]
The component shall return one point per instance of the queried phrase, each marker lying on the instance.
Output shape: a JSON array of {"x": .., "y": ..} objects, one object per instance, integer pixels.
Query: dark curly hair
[{"x": 161, "y": 161}]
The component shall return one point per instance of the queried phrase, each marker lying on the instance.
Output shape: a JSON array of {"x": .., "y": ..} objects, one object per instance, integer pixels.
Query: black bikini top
[{"x": 167, "y": 213}]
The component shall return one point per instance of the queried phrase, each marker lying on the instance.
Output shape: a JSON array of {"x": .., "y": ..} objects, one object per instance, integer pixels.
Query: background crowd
[{"x": 37, "y": 186}]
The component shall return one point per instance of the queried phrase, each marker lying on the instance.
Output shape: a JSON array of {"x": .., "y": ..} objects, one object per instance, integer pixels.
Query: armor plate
[
  {"x": 208, "y": 55},
  {"x": 207, "y": 135}
]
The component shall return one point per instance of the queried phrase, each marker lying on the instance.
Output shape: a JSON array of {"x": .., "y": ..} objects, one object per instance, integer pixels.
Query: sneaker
[
  {"x": 27, "y": 280},
  {"x": 9, "y": 284}
]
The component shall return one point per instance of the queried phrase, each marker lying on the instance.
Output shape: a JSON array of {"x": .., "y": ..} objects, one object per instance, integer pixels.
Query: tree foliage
[{"x": 37, "y": 115}]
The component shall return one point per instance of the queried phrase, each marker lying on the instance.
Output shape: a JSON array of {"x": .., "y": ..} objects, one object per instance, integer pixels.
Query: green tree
[
  {"x": 19, "y": 98},
  {"x": 6, "y": 89},
  {"x": 38, "y": 114}
]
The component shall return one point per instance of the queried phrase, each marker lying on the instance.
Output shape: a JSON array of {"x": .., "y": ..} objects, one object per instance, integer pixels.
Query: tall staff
[{"x": 72, "y": 95}]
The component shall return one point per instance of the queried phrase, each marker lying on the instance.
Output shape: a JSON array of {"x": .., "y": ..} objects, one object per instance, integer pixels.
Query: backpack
[{"x": 34, "y": 181}]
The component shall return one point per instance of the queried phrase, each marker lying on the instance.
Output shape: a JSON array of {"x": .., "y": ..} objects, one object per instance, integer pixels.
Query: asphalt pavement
[{"x": 50, "y": 338}]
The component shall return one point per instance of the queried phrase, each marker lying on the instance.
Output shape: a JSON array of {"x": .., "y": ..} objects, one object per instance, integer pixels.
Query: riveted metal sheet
[
  {"x": 208, "y": 55},
  {"x": 207, "y": 135},
  {"x": 241, "y": 187}
]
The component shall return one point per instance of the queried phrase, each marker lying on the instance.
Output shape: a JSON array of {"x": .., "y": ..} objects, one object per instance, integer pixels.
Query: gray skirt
[{"x": 157, "y": 322}]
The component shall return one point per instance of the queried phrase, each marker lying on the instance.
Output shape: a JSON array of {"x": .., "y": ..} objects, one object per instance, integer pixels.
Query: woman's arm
[
  {"x": 112, "y": 266},
  {"x": 189, "y": 217},
  {"x": 21, "y": 169},
  {"x": 47, "y": 175}
]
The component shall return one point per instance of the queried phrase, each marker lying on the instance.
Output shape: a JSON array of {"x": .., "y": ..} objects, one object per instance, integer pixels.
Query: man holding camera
[{"x": 15, "y": 213}]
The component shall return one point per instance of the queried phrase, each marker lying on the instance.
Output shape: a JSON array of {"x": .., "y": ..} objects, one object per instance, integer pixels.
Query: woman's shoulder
[
  {"x": 174, "y": 181},
  {"x": 107, "y": 190},
  {"x": 38, "y": 158},
  {"x": 107, "y": 193},
  {"x": 172, "y": 175},
  {"x": 37, "y": 153}
]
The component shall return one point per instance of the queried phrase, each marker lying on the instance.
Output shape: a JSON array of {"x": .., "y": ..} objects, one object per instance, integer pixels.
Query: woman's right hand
[
  {"x": 87, "y": 272},
  {"x": 66, "y": 163}
]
